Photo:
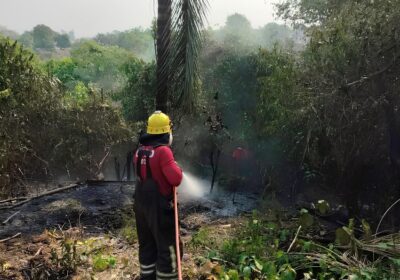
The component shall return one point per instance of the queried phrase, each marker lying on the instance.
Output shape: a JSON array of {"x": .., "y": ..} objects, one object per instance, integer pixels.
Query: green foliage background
[{"x": 45, "y": 129}]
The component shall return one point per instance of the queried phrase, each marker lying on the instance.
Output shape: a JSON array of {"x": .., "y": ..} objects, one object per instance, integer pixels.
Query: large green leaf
[
  {"x": 306, "y": 219},
  {"x": 342, "y": 237}
]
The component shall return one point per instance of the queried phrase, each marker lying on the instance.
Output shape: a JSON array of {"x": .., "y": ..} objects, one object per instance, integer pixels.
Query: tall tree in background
[
  {"x": 177, "y": 52},
  {"x": 163, "y": 47},
  {"x": 62, "y": 41},
  {"x": 43, "y": 37}
]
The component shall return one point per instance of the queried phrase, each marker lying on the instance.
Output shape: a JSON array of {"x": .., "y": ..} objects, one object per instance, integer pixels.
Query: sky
[{"x": 89, "y": 17}]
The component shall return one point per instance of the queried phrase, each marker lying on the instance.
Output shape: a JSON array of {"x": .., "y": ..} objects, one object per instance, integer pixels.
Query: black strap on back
[{"x": 143, "y": 153}]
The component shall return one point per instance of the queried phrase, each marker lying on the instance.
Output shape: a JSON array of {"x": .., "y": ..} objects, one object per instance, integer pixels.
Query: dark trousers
[{"x": 156, "y": 233}]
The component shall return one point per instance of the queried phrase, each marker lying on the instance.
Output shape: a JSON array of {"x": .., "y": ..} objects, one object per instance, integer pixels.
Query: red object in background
[{"x": 240, "y": 154}]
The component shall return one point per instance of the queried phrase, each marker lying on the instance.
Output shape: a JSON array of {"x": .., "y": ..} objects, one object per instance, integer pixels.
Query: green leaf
[
  {"x": 383, "y": 246},
  {"x": 306, "y": 220},
  {"x": 112, "y": 261},
  {"x": 101, "y": 263},
  {"x": 283, "y": 235},
  {"x": 271, "y": 226},
  {"x": 233, "y": 274},
  {"x": 396, "y": 261},
  {"x": 258, "y": 265},
  {"x": 243, "y": 258},
  {"x": 307, "y": 275},
  {"x": 366, "y": 229},
  {"x": 323, "y": 207},
  {"x": 247, "y": 271},
  {"x": 342, "y": 237},
  {"x": 269, "y": 269},
  {"x": 212, "y": 254},
  {"x": 354, "y": 277},
  {"x": 5, "y": 93},
  {"x": 287, "y": 273},
  {"x": 303, "y": 211},
  {"x": 281, "y": 257}
]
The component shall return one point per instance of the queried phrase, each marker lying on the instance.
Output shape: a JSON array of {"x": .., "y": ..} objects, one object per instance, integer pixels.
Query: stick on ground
[
  {"x": 294, "y": 240},
  {"x": 13, "y": 199},
  {"x": 9, "y": 238},
  {"x": 12, "y": 216},
  {"x": 38, "y": 252},
  {"x": 41, "y": 195}
]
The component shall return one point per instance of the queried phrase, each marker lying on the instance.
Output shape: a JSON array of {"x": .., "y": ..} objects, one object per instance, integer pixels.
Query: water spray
[{"x": 192, "y": 187}]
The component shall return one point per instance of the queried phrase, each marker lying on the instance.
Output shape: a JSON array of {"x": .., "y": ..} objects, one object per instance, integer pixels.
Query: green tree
[
  {"x": 66, "y": 70},
  {"x": 62, "y": 41},
  {"x": 350, "y": 71},
  {"x": 141, "y": 42},
  {"x": 274, "y": 33},
  {"x": 36, "y": 113},
  {"x": 138, "y": 95},
  {"x": 137, "y": 40},
  {"x": 8, "y": 33},
  {"x": 237, "y": 33},
  {"x": 280, "y": 111},
  {"x": 306, "y": 12},
  {"x": 25, "y": 97},
  {"x": 100, "y": 65},
  {"x": 26, "y": 39},
  {"x": 107, "y": 39},
  {"x": 237, "y": 24},
  {"x": 232, "y": 83},
  {"x": 43, "y": 37}
]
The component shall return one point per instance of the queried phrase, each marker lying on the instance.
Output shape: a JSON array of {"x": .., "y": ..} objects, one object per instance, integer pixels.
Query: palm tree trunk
[{"x": 163, "y": 45}]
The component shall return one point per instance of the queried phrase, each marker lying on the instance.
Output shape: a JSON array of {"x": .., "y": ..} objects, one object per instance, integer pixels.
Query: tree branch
[
  {"x": 9, "y": 218},
  {"x": 9, "y": 238},
  {"x": 373, "y": 75},
  {"x": 41, "y": 195}
]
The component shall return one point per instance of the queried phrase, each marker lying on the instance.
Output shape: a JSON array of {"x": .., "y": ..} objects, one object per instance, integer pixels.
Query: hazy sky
[{"x": 89, "y": 17}]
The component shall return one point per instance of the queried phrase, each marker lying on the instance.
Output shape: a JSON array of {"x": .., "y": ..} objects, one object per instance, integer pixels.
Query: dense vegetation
[
  {"x": 317, "y": 106},
  {"x": 76, "y": 78},
  {"x": 47, "y": 131}
]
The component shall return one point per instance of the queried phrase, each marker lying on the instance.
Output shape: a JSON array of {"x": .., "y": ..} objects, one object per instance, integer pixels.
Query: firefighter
[
  {"x": 158, "y": 174},
  {"x": 239, "y": 156}
]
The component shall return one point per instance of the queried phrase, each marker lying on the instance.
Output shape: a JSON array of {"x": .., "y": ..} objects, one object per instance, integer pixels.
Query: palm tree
[
  {"x": 179, "y": 30},
  {"x": 163, "y": 53}
]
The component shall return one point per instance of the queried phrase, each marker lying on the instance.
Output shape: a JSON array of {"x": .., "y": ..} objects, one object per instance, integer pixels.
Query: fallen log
[
  {"x": 13, "y": 199},
  {"x": 41, "y": 195}
]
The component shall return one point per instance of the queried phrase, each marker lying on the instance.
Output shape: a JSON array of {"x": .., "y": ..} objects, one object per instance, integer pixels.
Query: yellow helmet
[{"x": 158, "y": 123}]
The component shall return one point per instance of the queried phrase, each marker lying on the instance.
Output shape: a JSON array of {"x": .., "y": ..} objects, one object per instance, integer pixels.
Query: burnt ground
[
  {"x": 90, "y": 206},
  {"x": 100, "y": 220},
  {"x": 101, "y": 207}
]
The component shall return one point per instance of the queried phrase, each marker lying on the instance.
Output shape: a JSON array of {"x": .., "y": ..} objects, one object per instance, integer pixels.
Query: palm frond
[{"x": 187, "y": 24}]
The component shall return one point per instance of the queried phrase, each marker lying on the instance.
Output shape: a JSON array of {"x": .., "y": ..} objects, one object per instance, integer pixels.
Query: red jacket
[
  {"x": 240, "y": 154},
  {"x": 164, "y": 169}
]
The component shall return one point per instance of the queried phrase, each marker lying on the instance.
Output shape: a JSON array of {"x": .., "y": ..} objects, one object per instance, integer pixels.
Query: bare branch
[{"x": 9, "y": 238}]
